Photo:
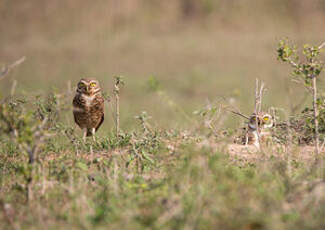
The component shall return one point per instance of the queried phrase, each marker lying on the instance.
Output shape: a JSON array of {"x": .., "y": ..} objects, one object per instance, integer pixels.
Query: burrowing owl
[
  {"x": 88, "y": 106},
  {"x": 267, "y": 122},
  {"x": 262, "y": 125}
]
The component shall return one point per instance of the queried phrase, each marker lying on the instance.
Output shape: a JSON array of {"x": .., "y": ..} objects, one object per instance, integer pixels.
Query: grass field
[
  {"x": 158, "y": 179},
  {"x": 167, "y": 169}
]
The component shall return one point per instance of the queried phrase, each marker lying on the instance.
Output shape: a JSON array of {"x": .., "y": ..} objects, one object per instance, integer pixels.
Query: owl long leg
[
  {"x": 84, "y": 135},
  {"x": 93, "y": 131},
  {"x": 246, "y": 139}
]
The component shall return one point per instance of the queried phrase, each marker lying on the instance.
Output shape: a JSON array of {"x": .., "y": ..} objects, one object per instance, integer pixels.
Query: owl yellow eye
[
  {"x": 266, "y": 118},
  {"x": 92, "y": 84},
  {"x": 82, "y": 85}
]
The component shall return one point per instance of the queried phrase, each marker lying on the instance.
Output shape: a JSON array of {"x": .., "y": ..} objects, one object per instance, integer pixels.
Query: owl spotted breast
[{"x": 88, "y": 106}]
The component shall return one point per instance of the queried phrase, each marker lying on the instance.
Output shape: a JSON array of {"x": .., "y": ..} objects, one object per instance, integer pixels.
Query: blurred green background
[{"x": 192, "y": 50}]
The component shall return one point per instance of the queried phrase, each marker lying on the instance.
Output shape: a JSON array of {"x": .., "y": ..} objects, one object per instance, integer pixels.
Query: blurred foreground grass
[{"x": 159, "y": 180}]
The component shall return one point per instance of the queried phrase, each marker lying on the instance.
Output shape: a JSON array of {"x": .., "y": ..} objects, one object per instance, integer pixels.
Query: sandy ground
[{"x": 299, "y": 153}]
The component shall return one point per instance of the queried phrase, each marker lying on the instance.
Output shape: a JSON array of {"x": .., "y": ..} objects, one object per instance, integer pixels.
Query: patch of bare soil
[{"x": 251, "y": 153}]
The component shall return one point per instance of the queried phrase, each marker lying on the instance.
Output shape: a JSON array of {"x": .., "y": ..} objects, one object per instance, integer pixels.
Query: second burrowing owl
[
  {"x": 267, "y": 122},
  {"x": 88, "y": 106},
  {"x": 258, "y": 129}
]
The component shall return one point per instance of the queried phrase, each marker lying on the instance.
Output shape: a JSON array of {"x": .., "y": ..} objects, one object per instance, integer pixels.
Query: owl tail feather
[{"x": 89, "y": 133}]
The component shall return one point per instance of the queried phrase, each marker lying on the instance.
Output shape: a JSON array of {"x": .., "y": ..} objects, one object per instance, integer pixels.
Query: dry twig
[
  {"x": 259, "y": 90},
  {"x": 5, "y": 70}
]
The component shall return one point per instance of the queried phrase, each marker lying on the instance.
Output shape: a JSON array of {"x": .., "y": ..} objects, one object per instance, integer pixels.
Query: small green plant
[
  {"x": 306, "y": 72},
  {"x": 16, "y": 120},
  {"x": 28, "y": 125},
  {"x": 212, "y": 116},
  {"x": 145, "y": 144},
  {"x": 143, "y": 118},
  {"x": 153, "y": 84}
]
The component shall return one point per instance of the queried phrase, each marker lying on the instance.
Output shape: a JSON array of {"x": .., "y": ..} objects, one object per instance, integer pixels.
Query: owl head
[
  {"x": 88, "y": 86},
  {"x": 267, "y": 120},
  {"x": 253, "y": 121}
]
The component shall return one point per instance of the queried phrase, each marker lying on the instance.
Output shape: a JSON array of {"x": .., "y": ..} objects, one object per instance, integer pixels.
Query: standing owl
[
  {"x": 262, "y": 125},
  {"x": 88, "y": 106},
  {"x": 267, "y": 122}
]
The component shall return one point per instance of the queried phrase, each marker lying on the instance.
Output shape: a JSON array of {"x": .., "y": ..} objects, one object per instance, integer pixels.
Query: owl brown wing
[
  {"x": 101, "y": 122},
  {"x": 78, "y": 103},
  {"x": 99, "y": 106}
]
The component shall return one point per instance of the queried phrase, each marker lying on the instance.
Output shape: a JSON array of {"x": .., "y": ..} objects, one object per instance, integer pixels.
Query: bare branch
[
  {"x": 234, "y": 109},
  {"x": 301, "y": 82},
  {"x": 293, "y": 64},
  {"x": 259, "y": 90},
  {"x": 5, "y": 70},
  {"x": 238, "y": 113},
  {"x": 321, "y": 46}
]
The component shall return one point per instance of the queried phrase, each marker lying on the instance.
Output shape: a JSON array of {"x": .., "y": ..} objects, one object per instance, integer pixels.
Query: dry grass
[{"x": 173, "y": 171}]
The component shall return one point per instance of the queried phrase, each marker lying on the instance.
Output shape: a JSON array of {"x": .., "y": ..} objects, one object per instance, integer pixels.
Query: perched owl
[
  {"x": 262, "y": 125},
  {"x": 88, "y": 106}
]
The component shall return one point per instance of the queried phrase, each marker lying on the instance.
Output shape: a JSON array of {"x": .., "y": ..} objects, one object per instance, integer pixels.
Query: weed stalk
[{"x": 117, "y": 86}]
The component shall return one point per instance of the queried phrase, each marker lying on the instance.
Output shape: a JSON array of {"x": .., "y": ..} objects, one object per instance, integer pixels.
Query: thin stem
[
  {"x": 117, "y": 107},
  {"x": 13, "y": 88},
  {"x": 257, "y": 101},
  {"x": 289, "y": 146},
  {"x": 321, "y": 46},
  {"x": 117, "y": 114},
  {"x": 315, "y": 114}
]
